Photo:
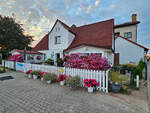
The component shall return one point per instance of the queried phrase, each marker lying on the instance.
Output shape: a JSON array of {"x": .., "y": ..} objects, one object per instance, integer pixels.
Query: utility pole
[{"x": 148, "y": 83}]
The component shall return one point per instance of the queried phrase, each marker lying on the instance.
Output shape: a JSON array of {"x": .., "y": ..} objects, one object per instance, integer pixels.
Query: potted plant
[
  {"x": 35, "y": 74},
  {"x": 62, "y": 78},
  {"x": 91, "y": 84},
  {"x": 28, "y": 73},
  {"x": 50, "y": 77},
  {"x": 73, "y": 82},
  {"x": 116, "y": 87},
  {"x": 41, "y": 75}
]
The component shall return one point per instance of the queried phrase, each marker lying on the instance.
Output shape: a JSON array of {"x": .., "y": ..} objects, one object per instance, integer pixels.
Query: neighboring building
[
  {"x": 94, "y": 38},
  {"x": 31, "y": 56},
  {"x": 128, "y": 29},
  {"x": 127, "y": 51}
]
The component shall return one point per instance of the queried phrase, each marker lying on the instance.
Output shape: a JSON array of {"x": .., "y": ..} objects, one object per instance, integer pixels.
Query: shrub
[
  {"x": 73, "y": 82},
  {"x": 37, "y": 72},
  {"x": 116, "y": 77},
  {"x": 138, "y": 69},
  {"x": 50, "y": 76},
  {"x": 49, "y": 61},
  {"x": 59, "y": 62},
  {"x": 1, "y": 71}
]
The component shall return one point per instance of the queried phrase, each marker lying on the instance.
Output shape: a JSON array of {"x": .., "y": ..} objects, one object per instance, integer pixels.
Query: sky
[{"x": 38, "y": 16}]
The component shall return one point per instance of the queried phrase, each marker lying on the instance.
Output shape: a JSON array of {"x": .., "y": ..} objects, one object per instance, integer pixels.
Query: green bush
[
  {"x": 73, "y": 82},
  {"x": 138, "y": 69},
  {"x": 36, "y": 72},
  {"x": 50, "y": 76},
  {"x": 1, "y": 71},
  {"x": 49, "y": 61},
  {"x": 59, "y": 62}
]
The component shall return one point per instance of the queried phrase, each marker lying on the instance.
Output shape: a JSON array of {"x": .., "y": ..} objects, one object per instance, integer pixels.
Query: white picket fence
[{"x": 100, "y": 76}]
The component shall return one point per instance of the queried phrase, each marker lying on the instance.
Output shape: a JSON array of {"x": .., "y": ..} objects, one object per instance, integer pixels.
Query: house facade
[{"x": 97, "y": 38}]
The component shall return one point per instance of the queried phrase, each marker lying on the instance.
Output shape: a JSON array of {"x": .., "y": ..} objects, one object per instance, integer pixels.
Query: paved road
[{"x": 22, "y": 95}]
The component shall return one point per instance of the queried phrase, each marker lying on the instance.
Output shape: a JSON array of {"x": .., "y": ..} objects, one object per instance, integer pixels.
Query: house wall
[
  {"x": 129, "y": 52},
  {"x": 66, "y": 39},
  {"x": 89, "y": 49},
  {"x": 131, "y": 28}
]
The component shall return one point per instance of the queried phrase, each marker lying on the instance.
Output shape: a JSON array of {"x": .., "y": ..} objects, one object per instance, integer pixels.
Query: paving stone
[{"x": 23, "y": 95}]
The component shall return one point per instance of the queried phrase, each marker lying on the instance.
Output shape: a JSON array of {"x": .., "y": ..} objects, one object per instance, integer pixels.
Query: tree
[{"x": 12, "y": 35}]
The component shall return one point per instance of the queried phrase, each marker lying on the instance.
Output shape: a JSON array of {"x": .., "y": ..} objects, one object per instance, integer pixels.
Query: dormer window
[
  {"x": 128, "y": 35},
  {"x": 57, "y": 40}
]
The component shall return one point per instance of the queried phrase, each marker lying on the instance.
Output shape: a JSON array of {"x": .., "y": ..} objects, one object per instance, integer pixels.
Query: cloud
[
  {"x": 97, "y": 2},
  {"x": 38, "y": 16}
]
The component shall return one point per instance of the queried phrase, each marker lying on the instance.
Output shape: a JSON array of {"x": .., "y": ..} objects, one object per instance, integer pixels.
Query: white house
[{"x": 93, "y": 38}]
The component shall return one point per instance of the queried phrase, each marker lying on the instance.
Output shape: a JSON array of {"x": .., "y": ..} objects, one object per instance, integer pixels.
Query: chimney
[
  {"x": 73, "y": 26},
  {"x": 133, "y": 18}
]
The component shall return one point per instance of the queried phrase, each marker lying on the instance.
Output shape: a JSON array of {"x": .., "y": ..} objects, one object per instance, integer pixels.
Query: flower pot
[
  {"x": 42, "y": 79},
  {"x": 34, "y": 77},
  {"x": 116, "y": 87},
  {"x": 29, "y": 76},
  {"x": 62, "y": 83},
  {"x": 49, "y": 81},
  {"x": 90, "y": 89}
]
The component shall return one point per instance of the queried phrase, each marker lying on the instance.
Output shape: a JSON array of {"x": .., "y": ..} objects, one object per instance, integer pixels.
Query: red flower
[
  {"x": 90, "y": 82},
  {"x": 28, "y": 72},
  {"x": 42, "y": 73},
  {"x": 61, "y": 77}
]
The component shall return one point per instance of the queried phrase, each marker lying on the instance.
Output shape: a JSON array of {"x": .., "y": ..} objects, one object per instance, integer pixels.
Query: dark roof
[
  {"x": 97, "y": 34},
  {"x": 146, "y": 49},
  {"x": 126, "y": 24},
  {"x": 27, "y": 51},
  {"x": 43, "y": 44}
]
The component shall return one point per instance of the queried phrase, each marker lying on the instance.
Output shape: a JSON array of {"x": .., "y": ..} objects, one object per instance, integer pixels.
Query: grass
[{"x": 117, "y": 77}]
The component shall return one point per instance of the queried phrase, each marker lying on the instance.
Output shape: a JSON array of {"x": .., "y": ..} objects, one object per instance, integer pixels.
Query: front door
[
  {"x": 57, "y": 55},
  {"x": 116, "y": 60}
]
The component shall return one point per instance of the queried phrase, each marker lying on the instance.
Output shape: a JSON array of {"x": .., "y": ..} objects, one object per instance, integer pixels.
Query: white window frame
[{"x": 57, "y": 39}]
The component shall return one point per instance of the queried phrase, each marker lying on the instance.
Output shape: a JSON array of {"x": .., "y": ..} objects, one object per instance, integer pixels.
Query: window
[
  {"x": 128, "y": 35},
  {"x": 117, "y": 33},
  {"x": 57, "y": 40}
]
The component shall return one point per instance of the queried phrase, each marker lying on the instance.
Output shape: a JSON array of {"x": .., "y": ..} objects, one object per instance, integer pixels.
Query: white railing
[{"x": 100, "y": 76}]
